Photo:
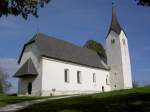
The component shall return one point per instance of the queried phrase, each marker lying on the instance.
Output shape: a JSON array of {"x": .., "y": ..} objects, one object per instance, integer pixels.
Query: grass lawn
[
  {"x": 134, "y": 100},
  {"x": 5, "y": 99}
]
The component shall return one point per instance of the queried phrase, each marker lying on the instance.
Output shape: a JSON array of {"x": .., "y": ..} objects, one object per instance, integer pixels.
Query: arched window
[
  {"x": 107, "y": 80},
  {"x": 124, "y": 42},
  {"x": 29, "y": 88},
  {"x": 94, "y": 78},
  {"x": 79, "y": 81},
  {"x": 112, "y": 41},
  {"x": 103, "y": 89},
  {"x": 66, "y": 73}
]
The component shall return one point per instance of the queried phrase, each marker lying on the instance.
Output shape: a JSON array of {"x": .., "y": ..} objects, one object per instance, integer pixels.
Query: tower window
[
  {"x": 124, "y": 42},
  {"x": 66, "y": 71},
  {"x": 79, "y": 77},
  {"x": 112, "y": 41}
]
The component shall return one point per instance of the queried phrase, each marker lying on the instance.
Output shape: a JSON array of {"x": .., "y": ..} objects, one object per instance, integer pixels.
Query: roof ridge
[
  {"x": 63, "y": 50},
  {"x": 73, "y": 44}
]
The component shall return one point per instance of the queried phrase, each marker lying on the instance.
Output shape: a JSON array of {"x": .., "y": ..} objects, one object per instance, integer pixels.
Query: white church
[{"x": 50, "y": 66}]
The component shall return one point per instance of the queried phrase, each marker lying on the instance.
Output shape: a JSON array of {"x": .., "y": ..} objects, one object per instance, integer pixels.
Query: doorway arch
[
  {"x": 29, "y": 88},
  {"x": 103, "y": 89}
]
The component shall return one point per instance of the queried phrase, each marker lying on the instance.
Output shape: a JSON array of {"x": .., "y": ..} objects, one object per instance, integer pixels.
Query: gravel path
[{"x": 18, "y": 106}]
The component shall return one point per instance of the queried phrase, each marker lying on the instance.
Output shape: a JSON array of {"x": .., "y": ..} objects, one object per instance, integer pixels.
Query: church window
[
  {"x": 66, "y": 75},
  {"x": 107, "y": 80},
  {"x": 112, "y": 41},
  {"x": 94, "y": 77},
  {"x": 79, "y": 77}
]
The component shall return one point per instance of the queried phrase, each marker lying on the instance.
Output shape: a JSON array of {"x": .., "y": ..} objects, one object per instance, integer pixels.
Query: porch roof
[{"x": 27, "y": 69}]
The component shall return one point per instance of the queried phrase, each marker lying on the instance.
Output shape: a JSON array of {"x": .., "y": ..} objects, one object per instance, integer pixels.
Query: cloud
[
  {"x": 7, "y": 24},
  {"x": 9, "y": 65}
]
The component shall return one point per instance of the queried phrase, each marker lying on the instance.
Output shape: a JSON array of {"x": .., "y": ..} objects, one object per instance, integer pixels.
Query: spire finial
[
  {"x": 113, "y": 7},
  {"x": 113, "y": 2},
  {"x": 115, "y": 26}
]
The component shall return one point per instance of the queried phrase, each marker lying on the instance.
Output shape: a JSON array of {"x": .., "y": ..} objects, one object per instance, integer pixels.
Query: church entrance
[
  {"x": 29, "y": 88},
  {"x": 103, "y": 89}
]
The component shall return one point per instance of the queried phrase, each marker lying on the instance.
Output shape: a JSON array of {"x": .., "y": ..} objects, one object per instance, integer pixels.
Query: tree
[
  {"x": 97, "y": 47},
  {"x": 4, "y": 84},
  {"x": 135, "y": 84},
  {"x": 143, "y": 2},
  {"x": 21, "y": 7}
]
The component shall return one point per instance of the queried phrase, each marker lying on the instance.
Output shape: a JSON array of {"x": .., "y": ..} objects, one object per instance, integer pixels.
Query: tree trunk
[{"x": 1, "y": 87}]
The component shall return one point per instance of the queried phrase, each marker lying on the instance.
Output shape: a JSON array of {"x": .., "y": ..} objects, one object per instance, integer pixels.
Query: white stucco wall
[
  {"x": 119, "y": 61},
  {"x": 126, "y": 62},
  {"x": 31, "y": 52},
  {"x": 53, "y": 78}
]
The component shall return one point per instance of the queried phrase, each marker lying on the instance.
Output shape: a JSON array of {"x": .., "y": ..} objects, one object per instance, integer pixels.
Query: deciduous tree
[
  {"x": 21, "y": 7},
  {"x": 97, "y": 47},
  {"x": 4, "y": 84},
  {"x": 135, "y": 84},
  {"x": 143, "y": 2}
]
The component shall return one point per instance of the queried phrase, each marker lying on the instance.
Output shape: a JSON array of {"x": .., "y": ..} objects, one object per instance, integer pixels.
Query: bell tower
[{"x": 118, "y": 57}]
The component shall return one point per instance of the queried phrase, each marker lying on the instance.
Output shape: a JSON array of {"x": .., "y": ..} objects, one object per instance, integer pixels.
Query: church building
[{"x": 50, "y": 66}]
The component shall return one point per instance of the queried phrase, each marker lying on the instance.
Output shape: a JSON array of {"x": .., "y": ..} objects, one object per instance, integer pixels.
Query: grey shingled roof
[
  {"x": 61, "y": 50},
  {"x": 27, "y": 69},
  {"x": 54, "y": 48}
]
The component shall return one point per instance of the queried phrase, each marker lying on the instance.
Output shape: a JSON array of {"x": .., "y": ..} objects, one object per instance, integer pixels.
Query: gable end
[{"x": 20, "y": 57}]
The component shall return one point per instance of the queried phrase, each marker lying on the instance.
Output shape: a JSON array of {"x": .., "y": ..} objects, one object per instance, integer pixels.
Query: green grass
[
  {"x": 6, "y": 99},
  {"x": 134, "y": 100}
]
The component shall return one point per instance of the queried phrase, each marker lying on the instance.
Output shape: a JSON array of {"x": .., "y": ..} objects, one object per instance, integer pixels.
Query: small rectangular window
[
  {"x": 94, "y": 77},
  {"x": 124, "y": 42},
  {"x": 79, "y": 77},
  {"x": 112, "y": 41},
  {"x": 66, "y": 75}
]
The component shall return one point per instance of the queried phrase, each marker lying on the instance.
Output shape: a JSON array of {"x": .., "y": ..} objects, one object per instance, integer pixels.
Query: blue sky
[{"x": 77, "y": 21}]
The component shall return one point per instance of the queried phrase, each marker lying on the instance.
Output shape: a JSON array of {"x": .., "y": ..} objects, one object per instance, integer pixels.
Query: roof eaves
[{"x": 107, "y": 69}]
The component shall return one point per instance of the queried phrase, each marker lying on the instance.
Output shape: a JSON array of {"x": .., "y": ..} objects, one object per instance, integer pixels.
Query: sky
[{"x": 77, "y": 21}]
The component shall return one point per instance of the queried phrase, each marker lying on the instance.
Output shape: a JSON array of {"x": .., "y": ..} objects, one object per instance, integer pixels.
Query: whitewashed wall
[
  {"x": 126, "y": 62},
  {"x": 53, "y": 78},
  {"x": 119, "y": 61},
  {"x": 31, "y": 52}
]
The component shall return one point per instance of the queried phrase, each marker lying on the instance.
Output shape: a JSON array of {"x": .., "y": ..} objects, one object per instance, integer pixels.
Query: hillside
[
  {"x": 134, "y": 100},
  {"x": 11, "y": 99}
]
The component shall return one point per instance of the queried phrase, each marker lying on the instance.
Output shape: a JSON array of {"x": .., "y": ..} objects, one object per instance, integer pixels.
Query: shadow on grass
[{"x": 131, "y": 102}]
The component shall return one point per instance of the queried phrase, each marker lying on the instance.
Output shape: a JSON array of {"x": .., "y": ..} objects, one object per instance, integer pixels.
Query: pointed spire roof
[{"x": 115, "y": 26}]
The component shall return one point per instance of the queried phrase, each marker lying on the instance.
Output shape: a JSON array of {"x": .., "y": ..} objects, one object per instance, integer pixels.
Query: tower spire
[
  {"x": 113, "y": 2},
  {"x": 115, "y": 26},
  {"x": 118, "y": 58}
]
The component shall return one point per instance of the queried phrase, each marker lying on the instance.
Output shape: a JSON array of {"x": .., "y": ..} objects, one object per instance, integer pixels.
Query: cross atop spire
[
  {"x": 115, "y": 26},
  {"x": 113, "y": 2}
]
